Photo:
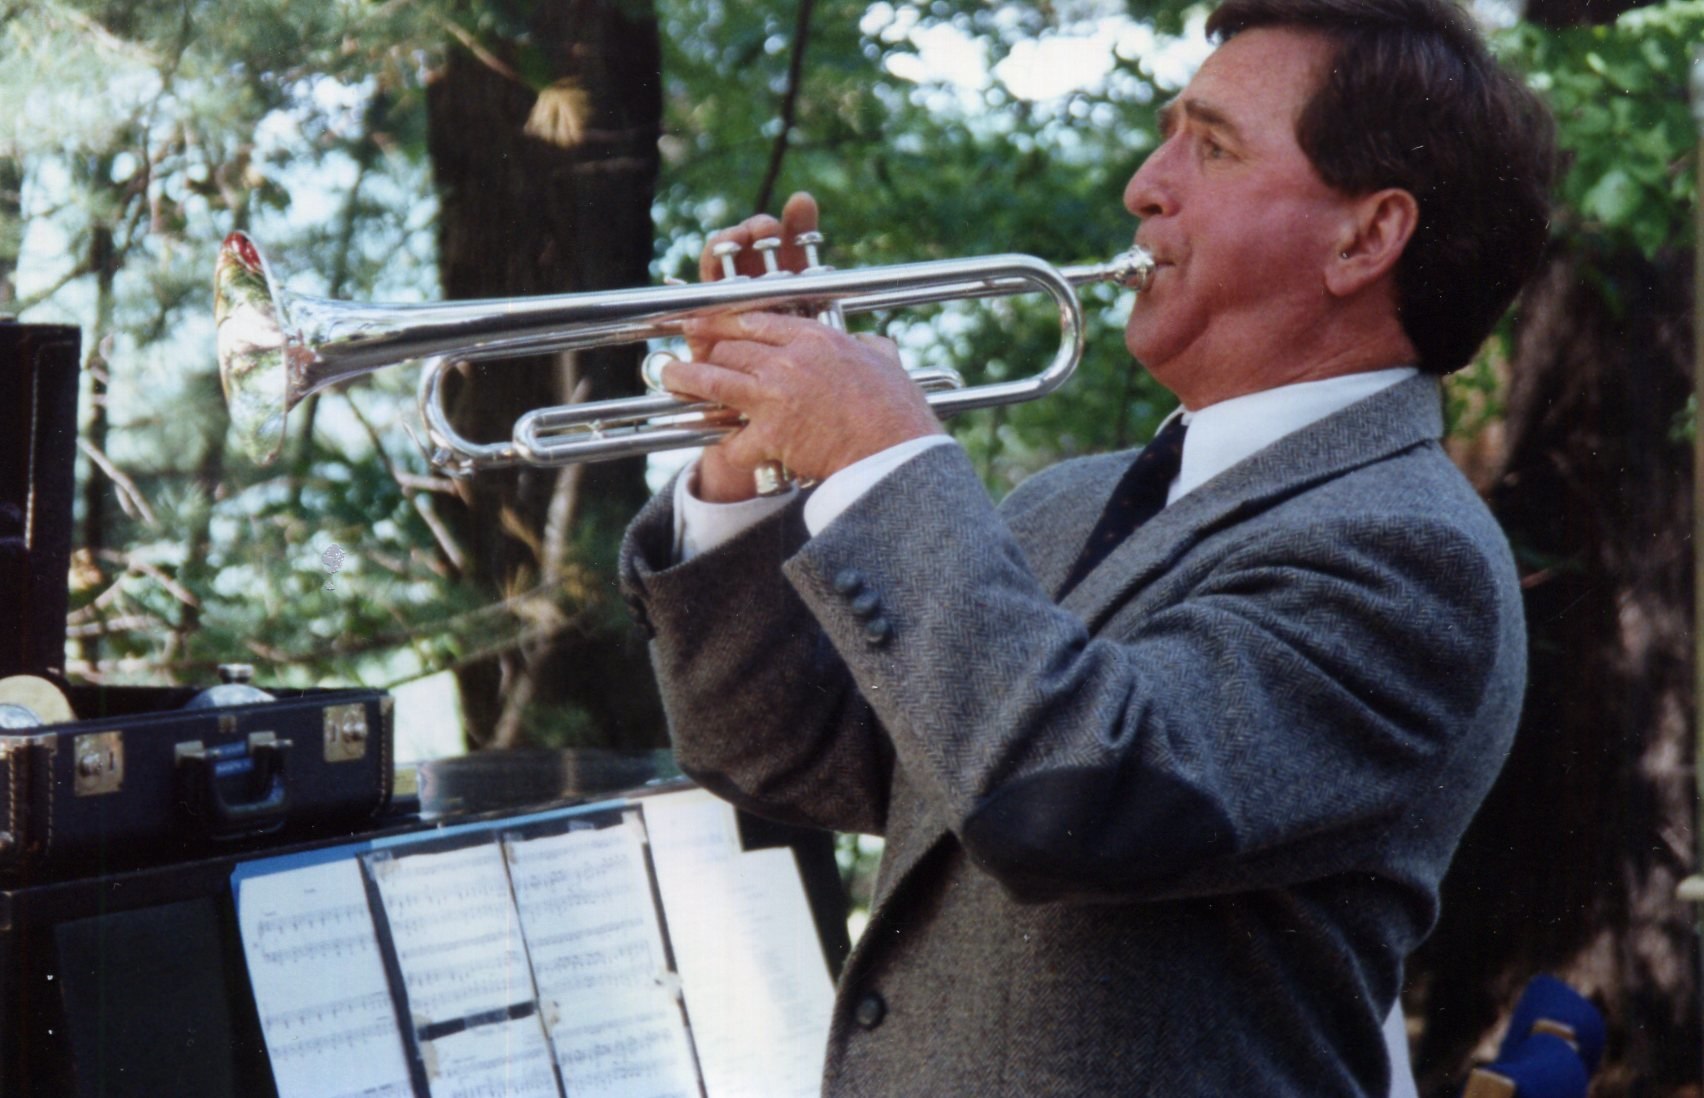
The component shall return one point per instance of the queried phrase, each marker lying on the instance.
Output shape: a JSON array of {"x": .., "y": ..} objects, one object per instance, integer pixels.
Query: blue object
[
  {"x": 1554, "y": 1044},
  {"x": 1549, "y": 999},
  {"x": 1544, "y": 1066}
]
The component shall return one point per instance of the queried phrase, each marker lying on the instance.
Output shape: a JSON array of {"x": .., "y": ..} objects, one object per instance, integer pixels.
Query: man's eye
[{"x": 1212, "y": 150}]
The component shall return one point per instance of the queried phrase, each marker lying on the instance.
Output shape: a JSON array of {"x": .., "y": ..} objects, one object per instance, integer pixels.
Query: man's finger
[
  {"x": 747, "y": 261},
  {"x": 708, "y": 381},
  {"x": 744, "y": 356},
  {"x": 774, "y": 329},
  {"x": 799, "y": 215}
]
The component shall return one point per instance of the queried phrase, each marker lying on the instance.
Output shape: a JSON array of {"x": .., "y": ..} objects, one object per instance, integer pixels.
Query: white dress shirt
[{"x": 1220, "y": 435}]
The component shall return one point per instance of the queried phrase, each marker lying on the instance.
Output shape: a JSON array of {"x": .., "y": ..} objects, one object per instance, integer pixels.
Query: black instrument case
[
  {"x": 143, "y": 775},
  {"x": 140, "y": 779}
]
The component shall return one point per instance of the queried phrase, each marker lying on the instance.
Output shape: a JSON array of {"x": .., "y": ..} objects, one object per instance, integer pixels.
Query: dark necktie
[{"x": 1140, "y": 494}]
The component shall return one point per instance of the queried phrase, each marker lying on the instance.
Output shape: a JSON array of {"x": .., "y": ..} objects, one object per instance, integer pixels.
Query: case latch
[
  {"x": 97, "y": 761},
  {"x": 346, "y": 732}
]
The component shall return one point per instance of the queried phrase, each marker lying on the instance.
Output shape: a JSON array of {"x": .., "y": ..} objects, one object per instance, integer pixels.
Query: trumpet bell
[{"x": 253, "y": 349}]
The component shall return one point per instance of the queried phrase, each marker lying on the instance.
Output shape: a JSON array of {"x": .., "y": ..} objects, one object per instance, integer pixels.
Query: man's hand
[
  {"x": 813, "y": 398},
  {"x": 799, "y": 215}
]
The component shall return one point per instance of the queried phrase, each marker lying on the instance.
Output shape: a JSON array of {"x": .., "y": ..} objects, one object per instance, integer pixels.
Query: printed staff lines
[
  {"x": 343, "y": 1038},
  {"x": 543, "y": 942},
  {"x": 437, "y": 948},
  {"x": 350, "y": 945},
  {"x": 331, "y": 1011},
  {"x": 496, "y": 910},
  {"x": 291, "y": 926}
]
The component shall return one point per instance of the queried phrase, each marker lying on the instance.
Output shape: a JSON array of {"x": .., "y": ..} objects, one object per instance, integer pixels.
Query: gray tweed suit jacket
[{"x": 1173, "y": 836}]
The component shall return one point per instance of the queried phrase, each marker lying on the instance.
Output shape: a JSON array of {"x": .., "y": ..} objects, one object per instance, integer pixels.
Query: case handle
[{"x": 237, "y": 790}]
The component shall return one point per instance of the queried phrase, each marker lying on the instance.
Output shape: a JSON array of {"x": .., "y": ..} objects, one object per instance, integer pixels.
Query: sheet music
[
  {"x": 631, "y": 1045},
  {"x": 539, "y": 967},
  {"x": 326, "y": 1038},
  {"x": 593, "y": 933},
  {"x": 454, "y": 926},
  {"x": 507, "y": 1059},
  {"x": 757, "y": 988}
]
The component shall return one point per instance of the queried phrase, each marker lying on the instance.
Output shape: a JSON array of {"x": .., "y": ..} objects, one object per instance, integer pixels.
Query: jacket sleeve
[
  {"x": 761, "y": 709},
  {"x": 1304, "y": 698}
]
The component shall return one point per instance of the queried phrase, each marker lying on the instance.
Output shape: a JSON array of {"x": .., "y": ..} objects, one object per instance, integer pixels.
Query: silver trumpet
[{"x": 277, "y": 347}]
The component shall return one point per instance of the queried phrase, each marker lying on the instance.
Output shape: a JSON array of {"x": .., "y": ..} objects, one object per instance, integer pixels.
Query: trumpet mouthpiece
[{"x": 1133, "y": 270}]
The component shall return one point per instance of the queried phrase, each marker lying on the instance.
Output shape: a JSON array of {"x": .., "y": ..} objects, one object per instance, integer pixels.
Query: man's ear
[{"x": 1376, "y": 230}]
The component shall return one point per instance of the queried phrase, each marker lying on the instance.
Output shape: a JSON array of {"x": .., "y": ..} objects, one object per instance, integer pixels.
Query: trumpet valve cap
[
  {"x": 726, "y": 251},
  {"x": 810, "y": 242},
  {"x": 766, "y": 247}
]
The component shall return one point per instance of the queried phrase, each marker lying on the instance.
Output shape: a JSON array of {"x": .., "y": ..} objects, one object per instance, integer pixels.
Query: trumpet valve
[
  {"x": 809, "y": 242},
  {"x": 651, "y": 369},
  {"x": 766, "y": 248},
  {"x": 830, "y": 313},
  {"x": 726, "y": 251}
]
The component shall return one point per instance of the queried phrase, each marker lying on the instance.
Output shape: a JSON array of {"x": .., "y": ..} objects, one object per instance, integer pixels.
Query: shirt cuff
[
  {"x": 701, "y": 526},
  {"x": 840, "y": 491}
]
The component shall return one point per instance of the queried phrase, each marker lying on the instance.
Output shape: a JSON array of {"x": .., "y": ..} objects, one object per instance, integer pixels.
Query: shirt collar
[{"x": 1222, "y": 434}]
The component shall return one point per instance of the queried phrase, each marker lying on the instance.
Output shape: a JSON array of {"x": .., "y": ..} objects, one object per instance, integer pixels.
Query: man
[{"x": 1164, "y": 809}]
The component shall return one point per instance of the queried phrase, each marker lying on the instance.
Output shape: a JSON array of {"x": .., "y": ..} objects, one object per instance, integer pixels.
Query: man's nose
[{"x": 1150, "y": 192}]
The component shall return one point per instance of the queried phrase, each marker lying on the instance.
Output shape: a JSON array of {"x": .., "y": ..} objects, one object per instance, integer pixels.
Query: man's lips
[{"x": 1160, "y": 257}]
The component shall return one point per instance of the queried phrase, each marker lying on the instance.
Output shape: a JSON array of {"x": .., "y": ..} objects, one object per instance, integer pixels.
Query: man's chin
[{"x": 1139, "y": 341}]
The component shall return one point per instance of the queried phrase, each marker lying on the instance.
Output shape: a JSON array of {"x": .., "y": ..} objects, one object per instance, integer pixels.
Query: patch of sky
[{"x": 1081, "y": 55}]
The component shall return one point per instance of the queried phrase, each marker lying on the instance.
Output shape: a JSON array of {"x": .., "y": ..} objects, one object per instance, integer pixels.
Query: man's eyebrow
[{"x": 1197, "y": 110}]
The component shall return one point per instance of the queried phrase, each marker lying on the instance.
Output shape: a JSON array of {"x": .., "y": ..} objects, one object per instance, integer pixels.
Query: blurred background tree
[
  {"x": 1572, "y": 865},
  {"x": 407, "y": 150}
]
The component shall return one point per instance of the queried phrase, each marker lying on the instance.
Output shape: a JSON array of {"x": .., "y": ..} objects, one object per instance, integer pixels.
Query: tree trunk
[
  {"x": 524, "y": 215},
  {"x": 97, "y": 489},
  {"x": 11, "y": 227},
  {"x": 1572, "y": 864}
]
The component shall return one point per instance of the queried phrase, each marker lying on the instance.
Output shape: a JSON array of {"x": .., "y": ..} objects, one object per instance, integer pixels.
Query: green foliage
[
  {"x": 1620, "y": 97},
  {"x": 138, "y": 134},
  {"x": 907, "y": 165},
  {"x": 1629, "y": 147}
]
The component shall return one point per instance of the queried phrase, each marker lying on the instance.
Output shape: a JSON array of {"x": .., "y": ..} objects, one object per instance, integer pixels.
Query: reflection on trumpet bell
[
  {"x": 252, "y": 348},
  {"x": 277, "y": 347}
]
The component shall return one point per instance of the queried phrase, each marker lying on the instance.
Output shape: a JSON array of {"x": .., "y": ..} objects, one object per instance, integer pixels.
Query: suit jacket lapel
[
  {"x": 1372, "y": 429},
  {"x": 1385, "y": 423}
]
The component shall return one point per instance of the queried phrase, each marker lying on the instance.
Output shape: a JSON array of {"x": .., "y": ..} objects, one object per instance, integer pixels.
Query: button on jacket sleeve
[{"x": 761, "y": 708}]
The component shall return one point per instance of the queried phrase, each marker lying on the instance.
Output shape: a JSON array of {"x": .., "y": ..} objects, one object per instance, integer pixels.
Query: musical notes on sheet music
[
  {"x": 453, "y": 925},
  {"x": 508, "y": 1059},
  {"x": 318, "y": 1030},
  {"x": 751, "y": 966},
  {"x": 535, "y": 963},
  {"x": 596, "y": 943},
  {"x": 585, "y": 907},
  {"x": 631, "y": 1045}
]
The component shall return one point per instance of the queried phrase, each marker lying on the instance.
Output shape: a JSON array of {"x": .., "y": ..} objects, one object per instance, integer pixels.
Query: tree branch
[
  {"x": 130, "y": 497},
  {"x": 412, "y": 492},
  {"x": 789, "y": 104}
]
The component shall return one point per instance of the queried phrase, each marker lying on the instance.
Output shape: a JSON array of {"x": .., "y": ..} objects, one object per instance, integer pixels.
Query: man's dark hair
[{"x": 1414, "y": 100}]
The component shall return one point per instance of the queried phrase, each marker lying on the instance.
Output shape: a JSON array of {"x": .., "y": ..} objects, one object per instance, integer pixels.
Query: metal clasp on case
[
  {"x": 97, "y": 764},
  {"x": 346, "y": 732}
]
